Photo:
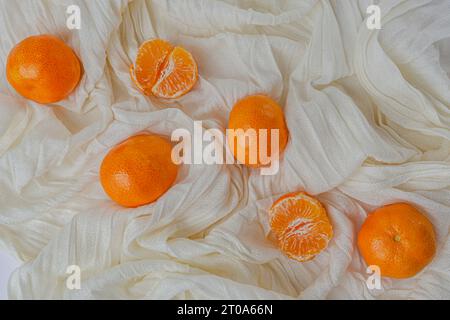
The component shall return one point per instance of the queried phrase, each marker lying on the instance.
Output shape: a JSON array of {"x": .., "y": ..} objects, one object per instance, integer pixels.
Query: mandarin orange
[
  {"x": 139, "y": 170},
  {"x": 300, "y": 225},
  {"x": 163, "y": 70},
  {"x": 399, "y": 239},
  {"x": 43, "y": 69},
  {"x": 252, "y": 115}
]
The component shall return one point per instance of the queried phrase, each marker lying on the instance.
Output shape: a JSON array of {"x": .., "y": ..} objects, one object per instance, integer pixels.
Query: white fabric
[{"x": 369, "y": 119}]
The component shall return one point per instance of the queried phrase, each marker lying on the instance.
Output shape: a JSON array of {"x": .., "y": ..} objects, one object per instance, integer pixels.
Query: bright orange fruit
[
  {"x": 300, "y": 225},
  {"x": 163, "y": 70},
  {"x": 139, "y": 170},
  {"x": 43, "y": 69},
  {"x": 399, "y": 239},
  {"x": 256, "y": 112}
]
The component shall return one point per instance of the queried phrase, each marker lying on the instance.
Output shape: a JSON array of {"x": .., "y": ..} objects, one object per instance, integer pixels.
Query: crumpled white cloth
[{"x": 369, "y": 119}]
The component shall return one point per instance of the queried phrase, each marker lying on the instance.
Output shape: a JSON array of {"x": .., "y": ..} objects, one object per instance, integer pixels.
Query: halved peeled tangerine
[
  {"x": 163, "y": 70},
  {"x": 300, "y": 225}
]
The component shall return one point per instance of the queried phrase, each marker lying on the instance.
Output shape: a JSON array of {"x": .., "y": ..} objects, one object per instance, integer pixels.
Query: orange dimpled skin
[
  {"x": 43, "y": 69},
  {"x": 164, "y": 71},
  {"x": 256, "y": 112},
  {"x": 300, "y": 225},
  {"x": 399, "y": 239},
  {"x": 139, "y": 170}
]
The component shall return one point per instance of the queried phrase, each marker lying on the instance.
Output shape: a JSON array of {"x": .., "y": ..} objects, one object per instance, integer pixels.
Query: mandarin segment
[
  {"x": 256, "y": 112},
  {"x": 178, "y": 77},
  {"x": 399, "y": 239},
  {"x": 43, "y": 69},
  {"x": 139, "y": 170},
  {"x": 150, "y": 60},
  {"x": 300, "y": 225},
  {"x": 164, "y": 71}
]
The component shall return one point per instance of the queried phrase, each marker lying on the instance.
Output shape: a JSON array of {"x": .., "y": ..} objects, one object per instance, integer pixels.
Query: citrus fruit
[
  {"x": 139, "y": 170},
  {"x": 163, "y": 70},
  {"x": 397, "y": 238},
  {"x": 252, "y": 114},
  {"x": 300, "y": 225},
  {"x": 43, "y": 69}
]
